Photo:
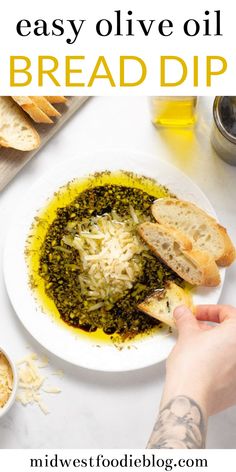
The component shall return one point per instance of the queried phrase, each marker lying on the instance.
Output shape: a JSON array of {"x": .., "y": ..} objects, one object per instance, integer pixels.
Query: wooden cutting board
[{"x": 12, "y": 161}]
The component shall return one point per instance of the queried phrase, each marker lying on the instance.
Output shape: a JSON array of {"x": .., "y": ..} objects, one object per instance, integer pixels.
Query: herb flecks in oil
[{"x": 58, "y": 266}]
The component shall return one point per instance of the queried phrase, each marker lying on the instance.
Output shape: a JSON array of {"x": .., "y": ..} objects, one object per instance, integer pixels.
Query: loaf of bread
[
  {"x": 203, "y": 230},
  {"x": 15, "y": 130},
  {"x": 162, "y": 303},
  {"x": 176, "y": 250}
]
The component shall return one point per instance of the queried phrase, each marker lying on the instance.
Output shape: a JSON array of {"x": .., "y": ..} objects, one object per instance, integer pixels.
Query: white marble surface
[{"x": 98, "y": 410}]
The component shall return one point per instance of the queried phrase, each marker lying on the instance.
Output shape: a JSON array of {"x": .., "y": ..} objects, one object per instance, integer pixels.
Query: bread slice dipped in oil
[
  {"x": 176, "y": 251},
  {"x": 162, "y": 303},
  {"x": 205, "y": 233}
]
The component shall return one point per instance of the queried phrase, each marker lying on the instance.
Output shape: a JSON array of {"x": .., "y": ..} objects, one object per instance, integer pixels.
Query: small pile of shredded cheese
[
  {"x": 109, "y": 250},
  {"x": 31, "y": 382},
  {"x": 6, "y": 380}
]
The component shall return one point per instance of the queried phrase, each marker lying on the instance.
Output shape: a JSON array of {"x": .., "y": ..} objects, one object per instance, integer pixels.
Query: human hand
[{"x": 202, "y": 365}]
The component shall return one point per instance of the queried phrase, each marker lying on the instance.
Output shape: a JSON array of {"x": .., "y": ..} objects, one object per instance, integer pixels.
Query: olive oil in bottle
[{"x": 173, "y": 111}]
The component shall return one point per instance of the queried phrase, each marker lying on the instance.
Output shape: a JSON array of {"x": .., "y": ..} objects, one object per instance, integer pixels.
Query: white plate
[{"x": 54, "y": 337}]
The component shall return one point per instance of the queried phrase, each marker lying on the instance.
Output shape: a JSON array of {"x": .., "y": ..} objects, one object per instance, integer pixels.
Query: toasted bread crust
[
  {"x": 210, "y": 271},
  {"x": 45, "y": 106},
  {"x": 54, "y": 99},
  {"x": 36, "y": 114},
  {"x": 202, "y": 261},
  {"x": 32, "y": 110},
  {"x": 227, "y": 254}
]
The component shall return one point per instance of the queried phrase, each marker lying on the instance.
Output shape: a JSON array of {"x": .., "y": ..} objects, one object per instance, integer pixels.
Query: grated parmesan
[
  {"x": 6, "y": 380},
  {"x": 59, "y": 373},
  {"x": 52, "y": 390},
  {"x": 31, "y": 382},
  {"x": 110, "y": 252}
]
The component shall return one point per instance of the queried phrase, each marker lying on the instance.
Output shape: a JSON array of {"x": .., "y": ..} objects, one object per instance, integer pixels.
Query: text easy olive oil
[{"x": 173, "y": 111}]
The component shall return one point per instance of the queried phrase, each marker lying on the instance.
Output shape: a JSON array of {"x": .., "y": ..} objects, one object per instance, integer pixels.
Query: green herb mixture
[{"x": 60, "y": 265}]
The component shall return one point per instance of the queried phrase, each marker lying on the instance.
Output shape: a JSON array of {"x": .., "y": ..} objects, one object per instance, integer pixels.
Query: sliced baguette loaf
[
  {"x": 15, "y": 130},
  {"x": 203, "y": 230},
  {"x": 45, "y": 106},
  {"x": 162, "y": 303},
  {"x": 54, "y": 99},
  {"x": 193, "y": 265},
  {"x": 32, "y": 110}
]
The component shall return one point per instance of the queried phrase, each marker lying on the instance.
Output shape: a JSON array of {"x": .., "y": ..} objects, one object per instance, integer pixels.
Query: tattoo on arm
[{"x": 180, "y": 425}]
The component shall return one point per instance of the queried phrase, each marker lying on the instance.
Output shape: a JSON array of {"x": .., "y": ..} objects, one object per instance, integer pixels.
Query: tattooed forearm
[{"x": 180, "y": 425}]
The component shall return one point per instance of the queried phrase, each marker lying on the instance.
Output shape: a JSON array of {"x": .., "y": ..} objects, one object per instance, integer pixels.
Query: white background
[
  {"x": 98, "y": 410},
  {"x": 150, "y": 48}
]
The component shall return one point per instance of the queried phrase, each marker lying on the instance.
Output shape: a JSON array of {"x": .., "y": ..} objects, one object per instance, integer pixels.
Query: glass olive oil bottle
[{"x": 173, "y": 111}]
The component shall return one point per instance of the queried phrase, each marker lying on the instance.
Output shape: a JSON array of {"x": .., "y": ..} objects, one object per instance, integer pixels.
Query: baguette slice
[
  {"x": 56, "y": 99},
  {"x": 15, "y": 130},
  {"x": 32, "y": 110},
  {"x": 45, "y": 106},
  {"x": 203, "y": 230},
  {"x": 162, "y": 303},
  {"x": 193, "y": 265}
]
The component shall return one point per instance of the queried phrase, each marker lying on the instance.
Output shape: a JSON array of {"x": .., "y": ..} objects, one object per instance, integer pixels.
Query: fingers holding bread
[
  {"x": 162, "y": 303},
  {"x": 193, "y": 244}
]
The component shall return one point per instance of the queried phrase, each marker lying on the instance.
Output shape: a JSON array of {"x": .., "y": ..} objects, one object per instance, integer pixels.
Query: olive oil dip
[{"x": 87, "y": 265}]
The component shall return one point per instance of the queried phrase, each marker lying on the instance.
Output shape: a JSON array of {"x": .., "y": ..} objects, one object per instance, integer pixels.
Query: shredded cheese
[
  {"x": 59, "y": 373},
  {"x": 109, "y": 250},
  {"x": 52, "y": 390},
  {"x": 6, "y": 380},
  {"x": 31, "y": 382}
]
